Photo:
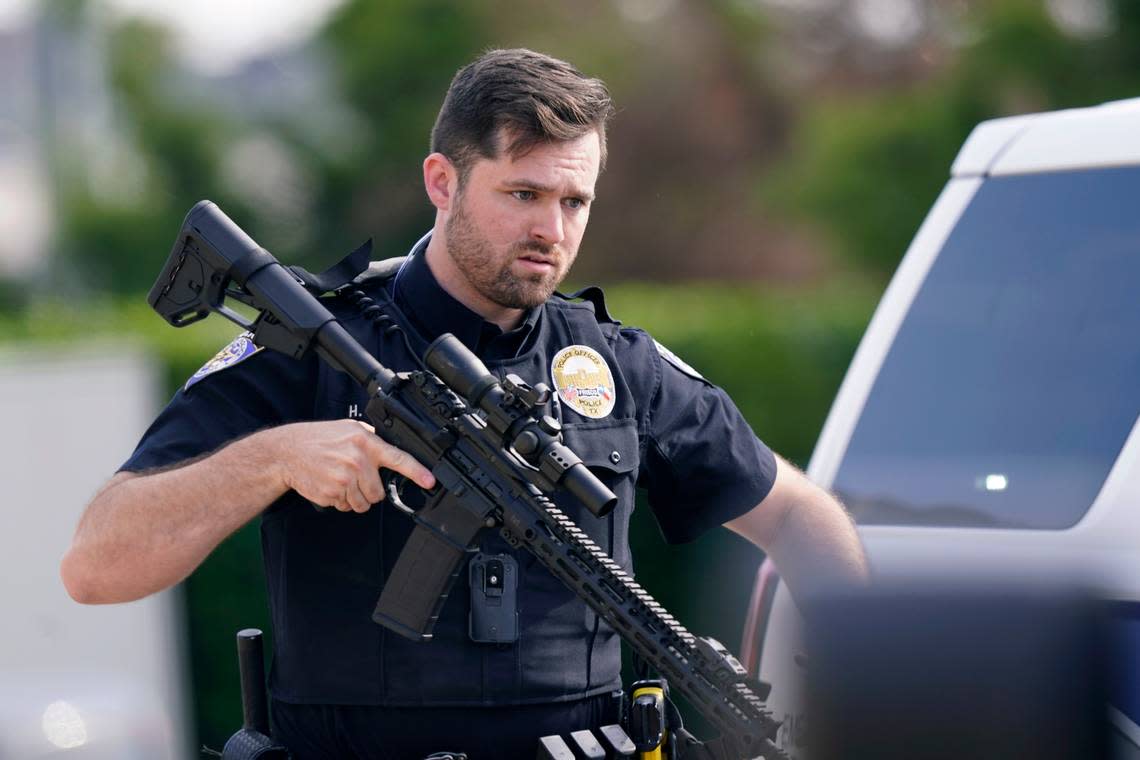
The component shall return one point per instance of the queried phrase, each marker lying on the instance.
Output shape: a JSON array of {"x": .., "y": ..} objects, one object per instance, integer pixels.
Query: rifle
[{"x": 496, "y": 460}]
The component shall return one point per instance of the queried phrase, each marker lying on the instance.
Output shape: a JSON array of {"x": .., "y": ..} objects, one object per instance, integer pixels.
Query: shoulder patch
[
  {"x": 241, "y": 348},
  {"x": 677, "y": 362}
]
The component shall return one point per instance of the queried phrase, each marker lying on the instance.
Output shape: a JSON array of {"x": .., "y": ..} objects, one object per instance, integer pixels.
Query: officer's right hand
[{"x": 336, "y": 463}]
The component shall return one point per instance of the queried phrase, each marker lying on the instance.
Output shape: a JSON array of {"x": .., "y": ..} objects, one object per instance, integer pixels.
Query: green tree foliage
[
  {"x": 116, "y": 238},
  {"x": 868, "y": 166},
  {"x": 118, "y": 246},
  {"x": 394, "y": 61}
]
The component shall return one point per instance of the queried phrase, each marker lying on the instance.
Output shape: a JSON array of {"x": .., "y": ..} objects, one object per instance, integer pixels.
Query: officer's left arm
[
  {"x": 807, "y": 533},
  {"x": 703, "y": 466}
]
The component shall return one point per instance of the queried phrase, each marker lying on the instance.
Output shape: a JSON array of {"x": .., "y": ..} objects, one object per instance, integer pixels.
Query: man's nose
[{"x": 547, "y": 224}]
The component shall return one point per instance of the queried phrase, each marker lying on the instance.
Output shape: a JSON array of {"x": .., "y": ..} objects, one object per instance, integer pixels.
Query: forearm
[
  {"x": 817, "y": 550},
  {"x": 808, "y": 534},
  {"x": 144, "y": 533}
]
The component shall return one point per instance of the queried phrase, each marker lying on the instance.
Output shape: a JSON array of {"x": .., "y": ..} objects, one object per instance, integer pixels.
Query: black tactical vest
[{"x": 325, "y": 569}]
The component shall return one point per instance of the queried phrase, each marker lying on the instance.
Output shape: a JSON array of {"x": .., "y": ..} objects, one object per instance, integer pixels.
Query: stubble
[{"x": 491, "y": 276}]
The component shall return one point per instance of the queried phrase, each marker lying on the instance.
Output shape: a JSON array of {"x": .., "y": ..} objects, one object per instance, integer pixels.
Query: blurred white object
[{"x": 89, "y": 681}]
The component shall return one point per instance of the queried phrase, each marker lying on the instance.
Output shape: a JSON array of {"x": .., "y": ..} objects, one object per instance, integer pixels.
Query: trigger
[{"x": 393, "y": 485}]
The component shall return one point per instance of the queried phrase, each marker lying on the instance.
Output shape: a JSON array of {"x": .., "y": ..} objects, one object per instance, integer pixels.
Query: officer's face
[{"x": 516, "y": 224}]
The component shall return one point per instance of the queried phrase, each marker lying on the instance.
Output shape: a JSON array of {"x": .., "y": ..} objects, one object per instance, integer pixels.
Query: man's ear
[{"x": 441, "y": 180}]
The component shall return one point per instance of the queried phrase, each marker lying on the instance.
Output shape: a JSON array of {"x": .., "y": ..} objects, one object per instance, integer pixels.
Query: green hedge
[{"x": 780, "y": 353}]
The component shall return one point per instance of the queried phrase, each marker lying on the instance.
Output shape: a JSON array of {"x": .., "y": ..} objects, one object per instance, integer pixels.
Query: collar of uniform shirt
[{"x": 434, "y": 312}]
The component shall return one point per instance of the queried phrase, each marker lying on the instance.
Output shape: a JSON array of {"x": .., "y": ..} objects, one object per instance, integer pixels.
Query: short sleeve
[
  {"x": 703, "y": 465},
  {"x": 263, "y": 390}
]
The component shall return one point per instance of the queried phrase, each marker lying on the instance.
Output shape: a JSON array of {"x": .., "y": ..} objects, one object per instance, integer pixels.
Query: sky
[{"x": 213, "y": 34}]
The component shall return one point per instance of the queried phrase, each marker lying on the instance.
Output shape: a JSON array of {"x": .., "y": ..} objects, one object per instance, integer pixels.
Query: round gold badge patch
[{"x": 584, "y": 381}]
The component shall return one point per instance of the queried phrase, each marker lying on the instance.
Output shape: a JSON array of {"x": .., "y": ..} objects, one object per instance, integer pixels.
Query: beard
[{"x": 490, "y": 273}]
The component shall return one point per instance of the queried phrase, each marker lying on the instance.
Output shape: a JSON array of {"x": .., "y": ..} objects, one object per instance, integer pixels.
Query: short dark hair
[{"x": 530, "y": 97}]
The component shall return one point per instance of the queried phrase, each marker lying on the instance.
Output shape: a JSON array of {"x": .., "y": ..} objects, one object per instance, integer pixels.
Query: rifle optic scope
[{"x": 461, "y": 369}]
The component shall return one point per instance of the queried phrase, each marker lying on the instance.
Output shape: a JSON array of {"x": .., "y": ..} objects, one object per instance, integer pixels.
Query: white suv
[{"x": 989, "y": 417}]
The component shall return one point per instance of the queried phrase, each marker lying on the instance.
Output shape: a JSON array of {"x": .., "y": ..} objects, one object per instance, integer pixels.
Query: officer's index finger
[{"x": 398, "y": 460}]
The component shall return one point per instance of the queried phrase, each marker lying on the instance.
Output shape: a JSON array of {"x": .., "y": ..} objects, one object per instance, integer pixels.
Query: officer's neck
[{"x": 455, "y": 283}]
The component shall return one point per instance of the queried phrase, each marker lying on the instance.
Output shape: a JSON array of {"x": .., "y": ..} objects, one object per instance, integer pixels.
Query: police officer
[{"x": 516, "y": 150}]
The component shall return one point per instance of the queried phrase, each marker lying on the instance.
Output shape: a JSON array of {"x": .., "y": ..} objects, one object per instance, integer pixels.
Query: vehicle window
[{"x": 1015, "y": 378}]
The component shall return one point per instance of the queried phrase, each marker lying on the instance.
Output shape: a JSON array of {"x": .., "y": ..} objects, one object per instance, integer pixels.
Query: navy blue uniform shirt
[{"x": 635, "y": 415}]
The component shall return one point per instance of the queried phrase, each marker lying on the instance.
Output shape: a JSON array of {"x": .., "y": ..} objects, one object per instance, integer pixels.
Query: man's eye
[
  {"x": 575, "y": 203},
  {"x": 523, "y": 195}
]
